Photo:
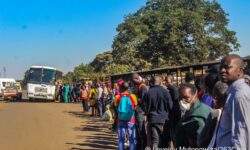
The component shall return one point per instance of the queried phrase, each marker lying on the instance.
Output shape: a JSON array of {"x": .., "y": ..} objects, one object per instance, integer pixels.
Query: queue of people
[
  {"x": 211, "y": 111},
  {"x": 206, "y": 112},
  {"x": 92, "y": 96}
]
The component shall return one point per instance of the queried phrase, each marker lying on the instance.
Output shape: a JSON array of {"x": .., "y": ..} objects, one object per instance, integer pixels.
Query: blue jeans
[
  {"x": 126, "y": 128},
  {"x": 99, "y": 106}
]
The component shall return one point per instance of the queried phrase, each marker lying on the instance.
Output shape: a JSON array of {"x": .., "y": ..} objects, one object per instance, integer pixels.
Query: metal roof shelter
[{"x": 177, "y": 70}]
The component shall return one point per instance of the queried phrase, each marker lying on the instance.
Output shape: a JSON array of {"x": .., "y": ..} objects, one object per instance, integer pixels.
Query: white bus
[{"x": 43, "y": 83}]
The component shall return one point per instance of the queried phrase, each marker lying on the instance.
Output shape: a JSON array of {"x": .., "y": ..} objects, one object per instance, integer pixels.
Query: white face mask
[{"x": 184, "y": 106}]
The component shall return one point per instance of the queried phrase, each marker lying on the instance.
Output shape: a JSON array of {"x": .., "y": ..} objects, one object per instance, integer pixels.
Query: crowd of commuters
[
  {"x": 210, "y": 111},
  {"x": 92, "y": 96}
]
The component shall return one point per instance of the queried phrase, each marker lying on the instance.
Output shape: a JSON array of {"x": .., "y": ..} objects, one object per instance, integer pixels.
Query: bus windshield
[
  {"x": 35, "y": 75},
  {"x": 48, "y": 76},
  {"x": 39, "y": 75}
]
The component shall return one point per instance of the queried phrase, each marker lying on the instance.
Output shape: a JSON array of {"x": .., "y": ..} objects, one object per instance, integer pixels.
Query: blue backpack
[{"x": 125, "y": 108}]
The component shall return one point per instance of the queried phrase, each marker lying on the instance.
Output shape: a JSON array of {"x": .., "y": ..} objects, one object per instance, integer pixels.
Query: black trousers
[
  {"x": 156, "y": 131},
  {"x": 140, "y": 130},
  {"x": 115, "y": 120},
  {"x": 85, "y": 105}
]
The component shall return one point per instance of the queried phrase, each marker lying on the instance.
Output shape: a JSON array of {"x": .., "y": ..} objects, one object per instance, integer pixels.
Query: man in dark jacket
[
  {"x": 175, "y": 114},
  {"x": 157, "y": 104},
  {"x": 141, "y": 89},
  {"x": 174, "y": 92}
]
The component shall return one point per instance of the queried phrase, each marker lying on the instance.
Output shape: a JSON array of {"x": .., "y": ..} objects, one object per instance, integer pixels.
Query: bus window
[
  {"x": 48, "y": 76},
  {"x": 35, "y": 75}
]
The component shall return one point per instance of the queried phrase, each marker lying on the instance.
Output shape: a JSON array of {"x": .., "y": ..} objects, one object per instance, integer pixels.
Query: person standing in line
[
  {"x": 74, "y": 93},
  {"x": 234, "y": 124},
  {"x": 104, "y": 97},
  {"x": 84, "y": 98},
  {"x": 190, "y": 78},
  {"x": 92, "y": 101},
  {"x": 175, "y": 114},
  {"x": 210, "y": 80},
  {"x": 141, "y": 90},
  {"x": 66, "y": 93},
  {"x": 99, "y": 99},
  {"x": 157, "y": 104},
  {"x": 125, "y": 104},
  {"x": 61, "y": 94},
  {"x": 110, "y": 96},
  {"x": 71, "y": 100},
  {"x": 116, "y": 91},
  {"x": 207, "y": 135},
  {"x": 193, "y": 119}
]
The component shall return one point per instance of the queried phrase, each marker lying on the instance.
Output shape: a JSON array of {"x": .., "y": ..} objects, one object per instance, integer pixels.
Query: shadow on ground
[
  {"x": 95, "y": 134},
  {"x": 28, "y": 101}
]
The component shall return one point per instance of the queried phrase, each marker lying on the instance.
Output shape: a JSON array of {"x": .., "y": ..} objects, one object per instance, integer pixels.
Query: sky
[{"x": 66, "y": 33}]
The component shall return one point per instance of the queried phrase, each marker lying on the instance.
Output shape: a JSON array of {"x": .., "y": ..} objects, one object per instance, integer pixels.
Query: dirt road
[{"x": 51, "y": 126}]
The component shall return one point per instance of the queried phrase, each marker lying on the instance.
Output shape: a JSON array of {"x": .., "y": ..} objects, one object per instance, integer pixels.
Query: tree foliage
[
  {"x": 173, "y": 32},
  {"x": 113, "y": 68},
  {"x": 101, "y": 60},
  {"x": 83, "y": 71},
  {"x": 69, "y": 78}
]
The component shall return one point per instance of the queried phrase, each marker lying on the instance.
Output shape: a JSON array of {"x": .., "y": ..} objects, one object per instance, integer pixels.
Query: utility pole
[{"x": 4, "y": 72}]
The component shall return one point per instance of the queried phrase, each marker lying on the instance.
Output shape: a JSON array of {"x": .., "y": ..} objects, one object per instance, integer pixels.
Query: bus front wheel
[{"x": 31, "y": 99}]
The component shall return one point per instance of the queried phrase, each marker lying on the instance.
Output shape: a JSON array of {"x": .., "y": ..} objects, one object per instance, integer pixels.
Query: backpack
[
  {"x": 139, "y": 91},
  {"x": 125, "y": 108},
  {"x": 142, "y": 85}
]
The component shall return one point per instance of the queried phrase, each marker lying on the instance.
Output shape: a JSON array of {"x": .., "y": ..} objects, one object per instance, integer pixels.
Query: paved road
[{"x": 51, "y": 126}]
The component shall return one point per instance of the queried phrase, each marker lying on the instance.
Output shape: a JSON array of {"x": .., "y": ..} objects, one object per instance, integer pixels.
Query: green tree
[
  {"x": 83, "y": 71},
  {"x": 173, "y": 32},
  {"x": 101, "y": 60},
  {"x": 113, "y": 68},
  {"x": 69, "y": 78}
]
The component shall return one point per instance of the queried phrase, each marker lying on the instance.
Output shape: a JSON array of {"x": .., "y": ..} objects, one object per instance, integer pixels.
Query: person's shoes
[{"x": 126, "y": 144}]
